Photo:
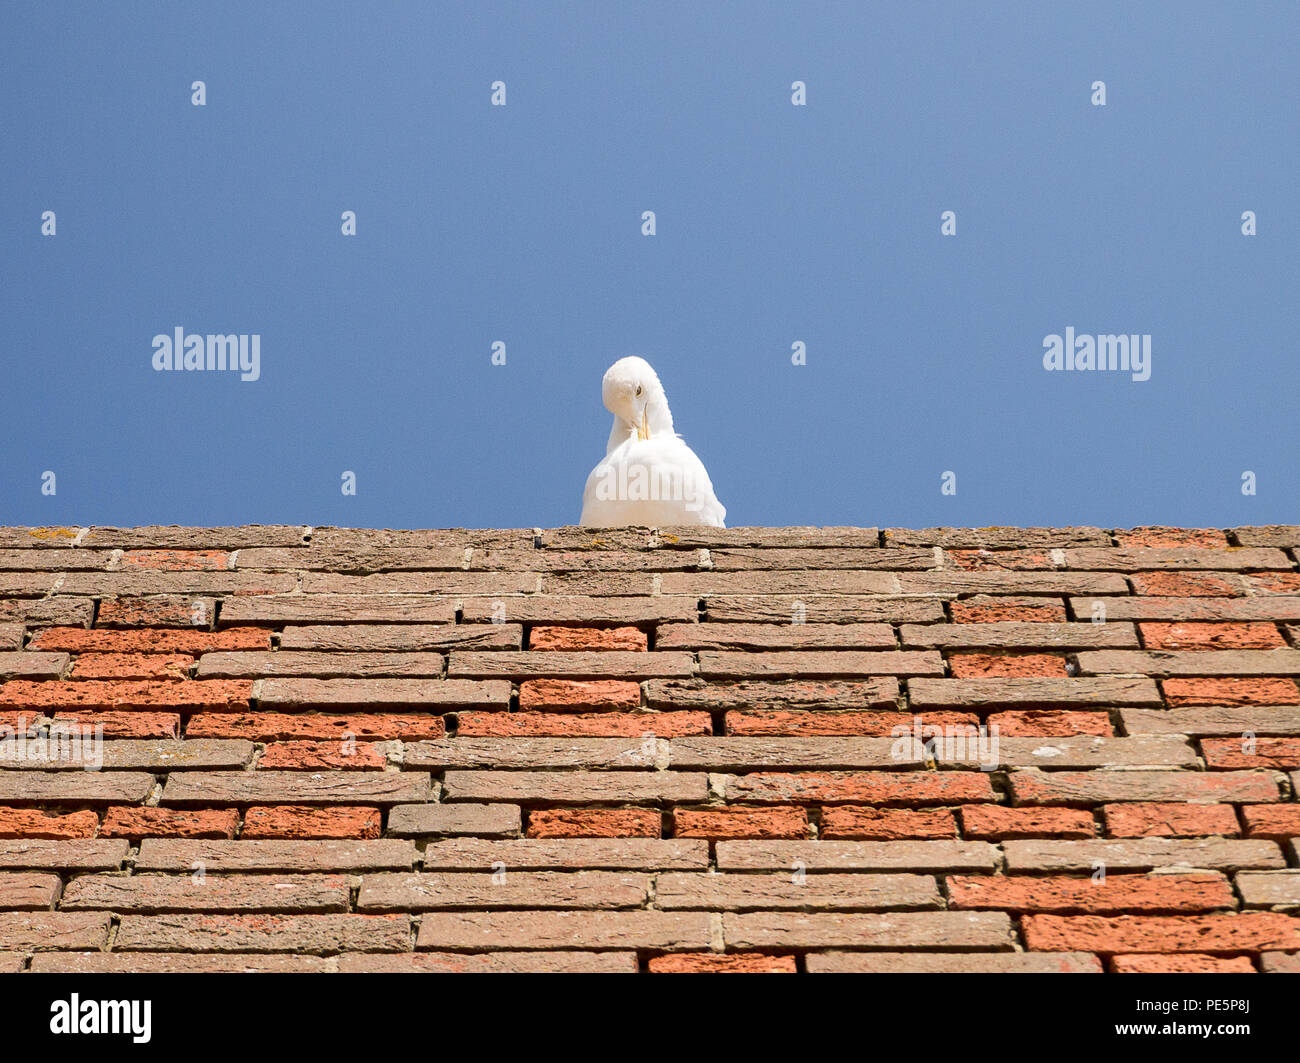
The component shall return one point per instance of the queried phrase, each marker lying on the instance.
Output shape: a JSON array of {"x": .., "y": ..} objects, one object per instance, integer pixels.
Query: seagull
[{"x": 649, "y": 477}]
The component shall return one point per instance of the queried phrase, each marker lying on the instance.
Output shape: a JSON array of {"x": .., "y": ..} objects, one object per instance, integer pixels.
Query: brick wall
[{"x": 691, "y": 749}]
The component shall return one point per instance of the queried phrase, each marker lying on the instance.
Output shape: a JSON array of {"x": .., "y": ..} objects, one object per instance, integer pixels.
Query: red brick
[
  {"x": 126, "y": 724},
  {"x": 177, "y": 560},
  {"x": 886, "y": 824},
  {"x": 1116, "y": 893},
  {"x": 38, "y": 823},
  {"x": 583, "y": 724},
  {"x": 312, "y": 726},
  {"x": 1049, "y": 723},
  {"x": 16, "y": 722},
  {"x": 131, "y": 666},
  {"x": 1231, "y": 692},
  {"x": 1184, "y": 584},
  {"x": 303, "y": 823},
  {"x": 148, "y": 640},
  {"x": 1169, "y": 819},
  {"x": 1187, "y": 963},
  {"x": 722, "y": 963},
  {"x": 741, "y": 823},
  {"x": 1246, "y": 932},
  {"x": 995, "y": 822},
  {"x": 776, "y": 722},
  {"x": 1271, "y": 821},
  {"x": 92, "y": 694},
  {"x": 587, "y": 638},
  {"x": 162, "y": 610},
  {"x": 988, "y": 609},
  {"x": 314, "y": 756},
  {"x": 594, "y": 823},
  {"x": 980, "y": 665},
  {"x": 569, "y": 695},
  {"x": 1280, "y": 753},
  {"x": 133, "y": 822},
  {"x": 910, "y": 788},
  {"x": 1204, "y": 636},
  {"x": 1156, "y": 536}
]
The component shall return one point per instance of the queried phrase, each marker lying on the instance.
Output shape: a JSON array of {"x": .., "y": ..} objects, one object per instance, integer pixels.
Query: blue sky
[{"x": 775, "y": 224}]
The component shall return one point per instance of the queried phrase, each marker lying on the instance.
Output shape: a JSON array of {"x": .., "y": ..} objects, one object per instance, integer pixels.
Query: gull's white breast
[{"x": 652, "y": 482}]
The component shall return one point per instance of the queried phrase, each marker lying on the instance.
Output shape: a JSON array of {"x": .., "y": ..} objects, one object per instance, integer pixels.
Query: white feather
[{"x": 652, "y": 482}]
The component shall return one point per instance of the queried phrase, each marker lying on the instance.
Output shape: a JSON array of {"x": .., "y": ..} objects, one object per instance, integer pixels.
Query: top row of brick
[{"x": 575, "y": 538}]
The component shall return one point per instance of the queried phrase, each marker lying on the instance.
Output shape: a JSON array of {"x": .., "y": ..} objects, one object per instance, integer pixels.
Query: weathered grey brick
[
  {"x": 45, "y": 931},
  {"x": 1140, "y": 854},
  {"x": 138, "y": 754},
  {"x": 297, "y": 787},
  {"x": 177, "y": 963},
  {"x": 822, "y": 559},
  {"x": 357, "y": 559},
  {"x": 740, "y": 754},
  {"x": 173, "y": 854},
  {"x": 422, "y": 539},
  {"x": 533, "y": 753},
  {"x": 516, "y": 889},
  {"x": 949, "y": 582},
  {"x": 149, "y": 581},
  {"x": 401, "y": 638},
  {"x": 172, "y": 537},
  {"x": 61, "y": 610},
  {"x": 912, "y": 856},
  {"x": 288, "y": 663},
  {"x": 211, "y": 893},
  {"x": 1214, "y": 720},
  {"x": 996, "y": 538},
  {"x": 1283, "y": 535},
  {"x": 564, "y": 930},
  {"x": 1191, "y": 662},
  {"x": 1033, "y": 690},
  {"x": 263, "y": 933},
  {"x": 20, "y": 891},
  {"x": 819, "y": 608},
  {"x": 78, "y": 855},
  {"x": 484, "y": 821},
  {"x": 1139, "y": 559},
  {"x": 764, "y": 694},
  {"x": 32, "y": 665},
  {"x": 728, "y": 665},
  {"x": 1020, "y": 636},
  {"x": 1033, "y": 787},
  {"x": 1142, "y": 607},
  {"x": 74, "y": 787},
  {"x": 473, "y": 583},
  {"x": 543, "y": 854},
  {"x": 489, "y": 963},
  {"x": 763, "y": 637},
  {"x": 337, "y": 609},
  {"x": 1269, "y": 889},
  {"x": 620, "y": 664},
  {"x": 953, "y": 963},
  {"x": 881, "y": 930},
  {"x": 382, "y": 693},
  {"x": 701, "y": 584},
  {"x": 578, "y": 609},
  {"x": 713, "y": 892}
]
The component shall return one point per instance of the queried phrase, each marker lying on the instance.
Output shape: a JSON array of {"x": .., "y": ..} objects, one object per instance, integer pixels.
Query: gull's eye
[{"x": 638, "y": 389}]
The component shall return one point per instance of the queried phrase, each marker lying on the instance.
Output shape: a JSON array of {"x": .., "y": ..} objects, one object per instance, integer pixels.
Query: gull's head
[{"x": 629, "y": 389}]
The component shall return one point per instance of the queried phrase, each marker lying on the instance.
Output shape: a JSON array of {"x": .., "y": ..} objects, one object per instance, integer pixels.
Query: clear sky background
[{"x": 775, "y": 224}]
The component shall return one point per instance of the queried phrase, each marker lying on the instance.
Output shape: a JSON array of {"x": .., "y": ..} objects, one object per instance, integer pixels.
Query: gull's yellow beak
[{"x": 643, "y": 429}]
